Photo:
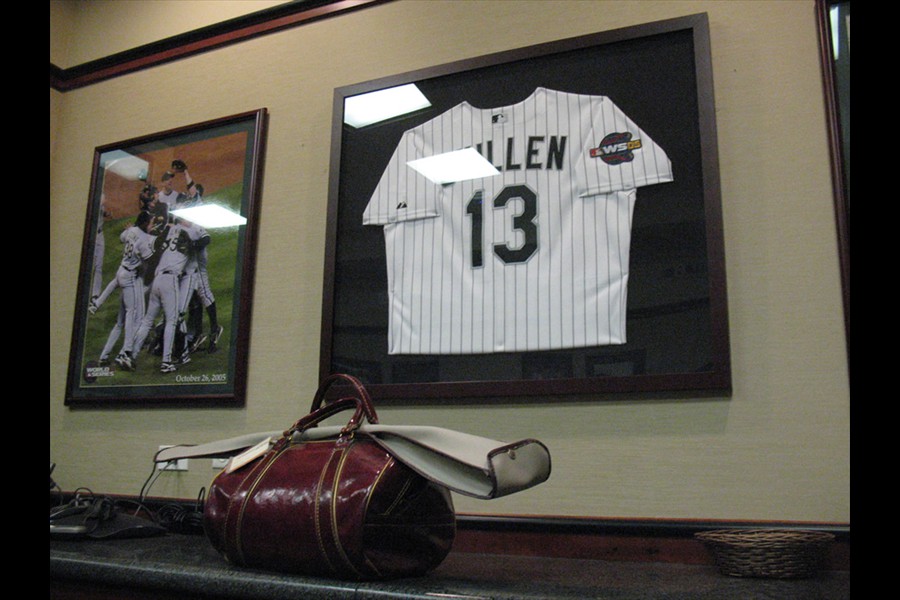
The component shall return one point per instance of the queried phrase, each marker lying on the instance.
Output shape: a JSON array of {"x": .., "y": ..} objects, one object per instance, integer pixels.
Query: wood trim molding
[
  {"x": 278, "y": 18},
  {"x": 628, "y": 540}
]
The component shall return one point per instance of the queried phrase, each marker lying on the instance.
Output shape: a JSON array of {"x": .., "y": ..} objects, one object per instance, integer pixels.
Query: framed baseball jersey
[
  {"x": 585, "y": 258},
  {"x": 534, "y": 257}
]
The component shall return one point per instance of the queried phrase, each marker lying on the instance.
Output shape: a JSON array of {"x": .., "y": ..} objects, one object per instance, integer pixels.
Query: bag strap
[
  {"x": 313, "y": 418},
  {"x": 228, "y": 447},
  {"x": 362, "y": 402},
  {"x": 362, "y": 395}
]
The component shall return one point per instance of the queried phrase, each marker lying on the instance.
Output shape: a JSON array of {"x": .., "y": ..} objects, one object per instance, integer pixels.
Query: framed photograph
[
  {"x": 576, "y": 250},
  {"x": 162, "y": 315}
]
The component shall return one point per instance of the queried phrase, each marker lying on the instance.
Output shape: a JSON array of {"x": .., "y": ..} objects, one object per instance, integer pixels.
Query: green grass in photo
[{"x": 204, "y": 367}]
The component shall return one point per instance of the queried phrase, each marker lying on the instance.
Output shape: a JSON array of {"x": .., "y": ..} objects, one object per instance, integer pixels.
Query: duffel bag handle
[
  {"x": 313, "y": 418},
  {"x": 362, "y": 402},
  {"x": 362, "y": 395}
]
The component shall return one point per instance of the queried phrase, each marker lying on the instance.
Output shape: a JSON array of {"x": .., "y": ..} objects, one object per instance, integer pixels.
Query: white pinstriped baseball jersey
[
  {"x": 534, "y": 258},
  {"x": 137, "y": 247}
]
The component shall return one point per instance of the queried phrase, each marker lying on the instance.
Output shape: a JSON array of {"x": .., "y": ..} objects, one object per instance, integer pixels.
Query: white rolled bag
[{"x": 471, "y": 465}]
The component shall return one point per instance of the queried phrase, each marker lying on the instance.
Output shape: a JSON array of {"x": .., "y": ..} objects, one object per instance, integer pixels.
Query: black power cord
[
  {"x": 88, "y": 511},
  {"x": 175, "y": 517},
  {"x": 179, "y": 518}
]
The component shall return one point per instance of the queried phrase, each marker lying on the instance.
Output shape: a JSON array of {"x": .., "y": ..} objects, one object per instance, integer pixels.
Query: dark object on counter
[{"x": 98, "y": 518}]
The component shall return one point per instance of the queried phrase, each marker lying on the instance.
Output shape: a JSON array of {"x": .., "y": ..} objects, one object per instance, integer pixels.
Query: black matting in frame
[{"x": 659, "y": 75}]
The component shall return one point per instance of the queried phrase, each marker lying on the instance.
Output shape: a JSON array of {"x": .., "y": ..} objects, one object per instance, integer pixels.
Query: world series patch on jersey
[{"x": 534, "y": 257}]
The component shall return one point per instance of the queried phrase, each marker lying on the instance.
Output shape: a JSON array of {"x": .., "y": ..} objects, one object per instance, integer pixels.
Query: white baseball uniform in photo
[
  {"x": 170, "y": 198},
  {"x": 137, "y": 247},
  {"x": 99, "y": 251},
  {"x": 533, "y": 258},
  {"x": 195, "y": 278},
  {"x": 165, "y": 292}
]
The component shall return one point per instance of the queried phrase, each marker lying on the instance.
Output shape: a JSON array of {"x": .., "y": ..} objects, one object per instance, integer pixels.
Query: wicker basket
[{"x": 771, "y": 553}]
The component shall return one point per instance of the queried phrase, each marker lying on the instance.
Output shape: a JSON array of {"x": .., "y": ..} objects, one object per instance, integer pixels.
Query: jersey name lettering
[{"x": 539, "y": 153}]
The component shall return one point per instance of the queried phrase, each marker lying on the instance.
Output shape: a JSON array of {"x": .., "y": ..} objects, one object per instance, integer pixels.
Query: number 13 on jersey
[{"x": 523, "y": 222}]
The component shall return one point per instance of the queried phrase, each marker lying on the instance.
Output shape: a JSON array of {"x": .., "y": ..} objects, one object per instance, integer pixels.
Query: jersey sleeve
[
  {"x": 146, "y": 246},
  {"x": 615, "y": 153},
  {"x": 202, "y": 235},
  {"x": 402, "y": 193}
]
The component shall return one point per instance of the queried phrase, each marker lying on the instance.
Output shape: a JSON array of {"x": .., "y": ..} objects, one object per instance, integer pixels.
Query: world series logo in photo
[
  {"x": 93, "y": 371},
  {"x": 616, "y": 148}
]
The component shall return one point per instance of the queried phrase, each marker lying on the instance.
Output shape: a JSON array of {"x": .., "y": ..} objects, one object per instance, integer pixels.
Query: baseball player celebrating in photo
[
  {"x": 167, "y": 194},
  {"x": 99, "y": 250},
  {"x": 198, "y": 295},
  {"x": 534, "y": 257},
  {"x": 138, "y": 248},
  {"x": 174, "y": 246},
  {"x": 202, "y": 299},
  {"x": 147, "y": 198},
  {"x": 171, "y": 196}
]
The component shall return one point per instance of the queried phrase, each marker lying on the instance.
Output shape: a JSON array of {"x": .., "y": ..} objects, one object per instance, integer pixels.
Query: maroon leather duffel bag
[
  {"x": 340, "y": 507},
  {"x": 356, "y": 501}
]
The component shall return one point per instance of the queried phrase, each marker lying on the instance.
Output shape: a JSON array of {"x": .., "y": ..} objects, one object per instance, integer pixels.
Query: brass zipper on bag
[
  {"x": 345, "y": 452},
  {"x": 400, "y": 496},
  {"x": 240, "y": 520},
  {"x": 232, "y": 501},
  {"x": 317, "y": 520},
  {"x": 372, "y": 488},
  {"x": 375, "y": 483}
]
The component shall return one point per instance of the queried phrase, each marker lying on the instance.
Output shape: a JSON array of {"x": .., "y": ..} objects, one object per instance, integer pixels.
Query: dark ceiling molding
[{"x": 277, "y": 18}]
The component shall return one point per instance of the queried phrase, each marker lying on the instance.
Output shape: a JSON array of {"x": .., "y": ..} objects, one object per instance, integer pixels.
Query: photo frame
[
  {"x": 833, "y": 17},
  {"x": 660, "y": 76},
  {"x": 162, "y": 315}
]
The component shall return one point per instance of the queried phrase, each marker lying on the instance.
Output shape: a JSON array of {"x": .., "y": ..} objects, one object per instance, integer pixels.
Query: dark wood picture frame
[
  {"x": 833, "y": 20},
  {"x": 660, "y": 75},
  {"x": 222, "y": 163}
]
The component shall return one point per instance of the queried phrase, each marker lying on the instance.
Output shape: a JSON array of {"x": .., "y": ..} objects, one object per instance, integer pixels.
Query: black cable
[
  {"x": 181, "y": 519},
  {"x": 151, "y": 479},
  {"x": 79, "y": 503},
  {"x": 155, "y": 473},
  {"x": 54, "y": 487},
  {"x": 174, "y": 517},
  {"x": 90, "y": 511},
  {"x": 139, "y": 506}
]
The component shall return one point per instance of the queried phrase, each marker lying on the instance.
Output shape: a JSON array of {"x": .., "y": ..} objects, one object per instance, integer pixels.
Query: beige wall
[
  {"x": 777, "y": 449},
  {"x": 86, "y": 31}
]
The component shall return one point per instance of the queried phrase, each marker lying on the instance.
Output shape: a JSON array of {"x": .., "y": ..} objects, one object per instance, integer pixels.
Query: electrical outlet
[{"x": 176, "y": 465}]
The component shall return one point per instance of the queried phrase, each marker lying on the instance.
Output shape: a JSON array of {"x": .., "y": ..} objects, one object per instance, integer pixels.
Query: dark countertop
[{"x": 188, "y": 565}]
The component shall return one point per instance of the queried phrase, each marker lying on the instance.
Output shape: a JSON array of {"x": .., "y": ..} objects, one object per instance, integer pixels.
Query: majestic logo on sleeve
[{"x": 616, "y": 148}]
